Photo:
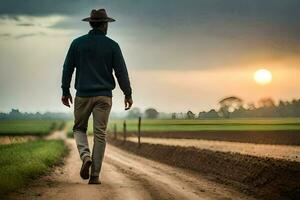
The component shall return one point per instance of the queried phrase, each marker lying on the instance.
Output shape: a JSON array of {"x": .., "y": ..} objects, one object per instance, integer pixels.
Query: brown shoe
[
  {"x": 85, "y": 167},
  {"x": 94, "y": 180}
]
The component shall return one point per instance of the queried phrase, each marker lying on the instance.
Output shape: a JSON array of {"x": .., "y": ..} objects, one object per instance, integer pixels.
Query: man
[{"x": 95, "y": 57}]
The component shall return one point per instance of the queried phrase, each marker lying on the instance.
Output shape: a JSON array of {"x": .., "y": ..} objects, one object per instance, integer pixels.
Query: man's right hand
[
  {"x": 128, "y": 103},
  {"x": 66, "y": 100}
]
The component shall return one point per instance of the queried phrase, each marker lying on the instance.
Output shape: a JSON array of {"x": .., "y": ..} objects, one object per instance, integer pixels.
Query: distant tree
[
  {"x": 266, "y": 108},
  {"x": 241, "y": 112},
  {"x": 201, "y": 114},
  {"x": 210, "y": 114},
  {"x": 181, "y": 115},
  {"x": 190, "y": 115},
  {"x": 151, "y": 113},
  {"x": 296, "y": 108},
  {"x": 289, "y": 109},
  {"x": 164, "y": 115},
  {"x": 173, "y": 115},
  {"x": 229, "y": 104},
  {"x": 266, "y": 102},
  {"x": 134, "y": 113},
  {"x": 250, "y": 106},
  {"x": 2, "y": 115}
]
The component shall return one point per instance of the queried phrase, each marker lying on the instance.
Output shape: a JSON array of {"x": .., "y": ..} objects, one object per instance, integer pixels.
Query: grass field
[
  {"x": 269, "y": 124},
  {"x": 22, "y": 162},
  {"x": 217, "y": 125},
  {"x": 29, "y": 127}
]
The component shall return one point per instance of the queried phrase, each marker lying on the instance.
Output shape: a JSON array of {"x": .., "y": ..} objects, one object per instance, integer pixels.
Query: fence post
[
  {"x": 115, "y": 131},
  {"x": 124, "y": 130},
  {"x": 139, "y": 131}
]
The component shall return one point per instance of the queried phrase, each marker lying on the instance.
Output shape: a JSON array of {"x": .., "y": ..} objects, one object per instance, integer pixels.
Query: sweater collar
[{"x": 96, "y": 32}]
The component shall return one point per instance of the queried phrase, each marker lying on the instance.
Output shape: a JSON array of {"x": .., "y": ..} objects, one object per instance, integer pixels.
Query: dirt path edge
[{"x": 281, "y": 137}]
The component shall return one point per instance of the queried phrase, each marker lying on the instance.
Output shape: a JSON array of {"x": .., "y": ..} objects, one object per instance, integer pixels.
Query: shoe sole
[
  {"x": 85, "y": 169},
  {"x": 95, "y": 183}
]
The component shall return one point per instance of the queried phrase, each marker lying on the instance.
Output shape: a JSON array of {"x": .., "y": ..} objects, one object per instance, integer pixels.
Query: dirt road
[{"x": 125, "y": 176}]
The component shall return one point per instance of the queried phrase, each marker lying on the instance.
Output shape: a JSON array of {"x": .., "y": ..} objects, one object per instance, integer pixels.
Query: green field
[
  {"x": 22, "y": 162},
  {"x": 204, "y": 125},
  {"x": 269, "y": 124},
  {"x": 29, "y": 127}
]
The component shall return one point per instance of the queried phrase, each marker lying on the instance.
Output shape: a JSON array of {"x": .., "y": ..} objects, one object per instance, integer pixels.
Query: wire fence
[{"x": 124, "y": 132}]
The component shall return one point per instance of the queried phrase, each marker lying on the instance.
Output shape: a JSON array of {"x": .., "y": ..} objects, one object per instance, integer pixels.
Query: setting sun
[{"x": 263, "y": 76}]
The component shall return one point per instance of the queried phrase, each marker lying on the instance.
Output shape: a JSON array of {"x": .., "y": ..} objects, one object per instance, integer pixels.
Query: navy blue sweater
[{"x": 95, "y": 57}]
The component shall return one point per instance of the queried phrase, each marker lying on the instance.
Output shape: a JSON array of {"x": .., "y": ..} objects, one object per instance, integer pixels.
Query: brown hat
[{"x": 98, "y": 16}]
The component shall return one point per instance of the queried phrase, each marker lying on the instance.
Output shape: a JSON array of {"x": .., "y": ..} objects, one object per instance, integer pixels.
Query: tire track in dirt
[
  {"x": 123, "y": 186},
  {"x": 155, "y": 192}
]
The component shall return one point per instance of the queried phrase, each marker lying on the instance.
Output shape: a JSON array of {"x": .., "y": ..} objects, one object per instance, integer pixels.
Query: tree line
[
  {"x": 235, "y": 107},
  {"x": 229, "y": 107},
  {"x": 16, "y": 114}
]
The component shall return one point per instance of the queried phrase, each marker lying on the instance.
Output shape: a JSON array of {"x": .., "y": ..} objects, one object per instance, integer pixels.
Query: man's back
[{"x": 95, "y": 56}]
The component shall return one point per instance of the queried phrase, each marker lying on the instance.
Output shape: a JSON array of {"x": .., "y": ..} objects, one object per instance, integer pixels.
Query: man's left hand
[
  {"x": 128, "y": 103},
  {"x": 66, "y": 100}
]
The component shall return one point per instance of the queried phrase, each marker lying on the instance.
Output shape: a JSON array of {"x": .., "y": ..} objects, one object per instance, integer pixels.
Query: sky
[{"x": 180, "y": 55}]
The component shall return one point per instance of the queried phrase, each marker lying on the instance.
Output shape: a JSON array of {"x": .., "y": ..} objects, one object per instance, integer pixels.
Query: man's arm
[
  {"x": 122, "y": 76},
  {"x": 68, "y": 69}
]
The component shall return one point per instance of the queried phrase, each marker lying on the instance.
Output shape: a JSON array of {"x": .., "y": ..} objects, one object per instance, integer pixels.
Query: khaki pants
[{"x": 100, "y": 107}]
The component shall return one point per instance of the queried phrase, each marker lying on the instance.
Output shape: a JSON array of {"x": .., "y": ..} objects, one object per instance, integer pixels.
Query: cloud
[
  {"x": 20, "y": 36},
  {"x": 5, "y": 16},
  {"x": 5, "y": 34},
  {"x": 30, "y": 21},
  {"x": 73, "y": 23},
  {"x": 32, "y": 34},
  {"x": 41, "y": 8},
  {"x": 26, "y": 24}
]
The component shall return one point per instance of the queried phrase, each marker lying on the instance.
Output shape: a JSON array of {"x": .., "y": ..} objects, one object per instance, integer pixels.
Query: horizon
[{"x": 124, "y": 114}]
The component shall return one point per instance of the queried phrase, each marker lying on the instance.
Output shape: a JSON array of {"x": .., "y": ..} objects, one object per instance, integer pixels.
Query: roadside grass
[
  {"x": 20, "y": 163},
  {"x": 69, "y": 129},
  {"x": 29, "y": 127}
]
